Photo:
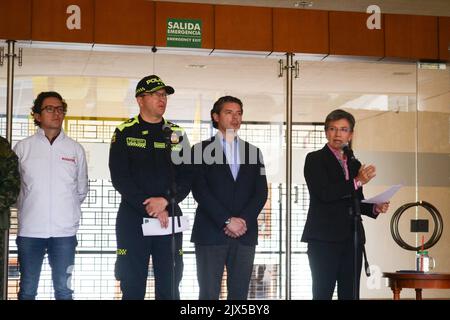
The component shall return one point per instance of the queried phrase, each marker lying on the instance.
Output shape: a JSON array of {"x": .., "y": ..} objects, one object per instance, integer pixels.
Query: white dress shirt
[{"x": 54, "y": 183}]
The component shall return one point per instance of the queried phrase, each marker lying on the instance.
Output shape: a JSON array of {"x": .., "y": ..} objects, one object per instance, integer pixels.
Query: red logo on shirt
[{"x": 68, "y": 159}]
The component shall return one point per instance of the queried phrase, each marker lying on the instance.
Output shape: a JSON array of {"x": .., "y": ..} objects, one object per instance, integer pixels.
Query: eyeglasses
[
  {"x": 160, "y": 95},
  {"x": 343, "y": 129},
  {"x": 53, "y": 109}
]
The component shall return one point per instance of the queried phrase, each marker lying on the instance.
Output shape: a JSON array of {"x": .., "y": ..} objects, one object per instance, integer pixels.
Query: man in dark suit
[
  {"x": 329, "y": 225},
  {"x": 231, "y": 190}
]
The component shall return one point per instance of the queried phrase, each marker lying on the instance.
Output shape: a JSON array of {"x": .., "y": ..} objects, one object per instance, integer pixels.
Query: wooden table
[{"x": 417, "y": 281}]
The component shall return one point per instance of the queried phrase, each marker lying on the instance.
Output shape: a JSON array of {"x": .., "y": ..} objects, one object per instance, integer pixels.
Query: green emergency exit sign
[{"x": 184, "y": 33}]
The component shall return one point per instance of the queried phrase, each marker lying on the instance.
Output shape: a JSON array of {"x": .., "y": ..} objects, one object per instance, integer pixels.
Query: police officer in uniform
[{"x": 142, "y": 167}]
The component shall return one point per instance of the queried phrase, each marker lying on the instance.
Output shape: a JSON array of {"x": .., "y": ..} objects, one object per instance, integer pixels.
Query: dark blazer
[
  {"x": 330, "y": 198},
  {"x": 220, "y": 197}
]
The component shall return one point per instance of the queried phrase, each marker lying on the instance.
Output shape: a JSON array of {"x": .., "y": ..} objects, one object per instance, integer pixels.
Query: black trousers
[
  {"x": 133, "y": 254},
  {"x": 211, "y": 260},
  {"x": 332, "y": 262}
]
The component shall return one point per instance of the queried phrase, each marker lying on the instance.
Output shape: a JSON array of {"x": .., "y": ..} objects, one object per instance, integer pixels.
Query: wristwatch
[
  {"x": 228, "y": 221},
  {"x": 358, "y": 183}
]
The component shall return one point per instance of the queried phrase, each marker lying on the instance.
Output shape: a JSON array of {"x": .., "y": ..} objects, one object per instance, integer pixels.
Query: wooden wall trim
[
  {"x": 15, "y": 20},
  {"x": 229, "y": 27},
  {"x": 130, "y": 22},
  {"x": 349, "y": 35},
  {"x": 444, "y": 38},
  {"x": 243, "y": 28},
  {"x": 50, "y": 17},
  {"x": 411, "y": 37},
  {"x": 304, "y": 31}
]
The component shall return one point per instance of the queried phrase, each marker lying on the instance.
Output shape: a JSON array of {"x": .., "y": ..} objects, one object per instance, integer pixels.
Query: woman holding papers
[{"x": 328, "y": 229}]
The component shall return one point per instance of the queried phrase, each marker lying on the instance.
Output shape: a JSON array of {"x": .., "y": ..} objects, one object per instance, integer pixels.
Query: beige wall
[{"x": 396, "y": 138}]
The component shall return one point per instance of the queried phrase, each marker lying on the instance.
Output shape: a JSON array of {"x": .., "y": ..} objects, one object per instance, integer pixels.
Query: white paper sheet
[
  {"x": 152, "y": 226},
  {"x": 384, "y": 196}
]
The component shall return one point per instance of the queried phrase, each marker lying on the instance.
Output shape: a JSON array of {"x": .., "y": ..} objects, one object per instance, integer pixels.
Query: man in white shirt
[{"x": 54, "y": 183}]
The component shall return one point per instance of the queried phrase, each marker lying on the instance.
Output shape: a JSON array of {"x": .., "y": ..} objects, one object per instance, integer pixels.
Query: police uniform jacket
[{"x": 140, "y": 166}]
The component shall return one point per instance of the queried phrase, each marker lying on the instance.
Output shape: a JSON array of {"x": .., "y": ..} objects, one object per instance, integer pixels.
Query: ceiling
[{"x": 418, "y": 7}]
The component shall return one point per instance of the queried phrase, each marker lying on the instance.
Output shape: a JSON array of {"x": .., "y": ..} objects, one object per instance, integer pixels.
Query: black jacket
[
  {"x": 330, "y": 198},
  {"x": 220, "y": 197},
  {"x": 140, "y": 165}
]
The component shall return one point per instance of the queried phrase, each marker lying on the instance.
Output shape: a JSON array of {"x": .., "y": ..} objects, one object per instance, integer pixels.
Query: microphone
[
  {"x": 170, "y": 136},
  {"x": 347, "y": 151}
]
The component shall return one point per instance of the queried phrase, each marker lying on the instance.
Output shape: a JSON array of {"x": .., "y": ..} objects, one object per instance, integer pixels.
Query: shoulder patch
[
  {"x": 175, "y": 127},
  {"x": 129, "y": 123}
]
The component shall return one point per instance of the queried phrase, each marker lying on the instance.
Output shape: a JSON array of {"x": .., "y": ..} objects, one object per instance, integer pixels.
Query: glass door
[
  {"x": 382, "y": 98},
  {"x": 99, "y": 89},
  {"x": 433, "y": 162},
  {"x": 199, "y": 81}
]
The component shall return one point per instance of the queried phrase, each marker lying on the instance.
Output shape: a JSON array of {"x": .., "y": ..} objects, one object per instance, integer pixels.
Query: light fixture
[
  {"x": 196, "y": 66},
  {"x": 401, "y": 73},
  {"x": 303, "y": 4}
]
